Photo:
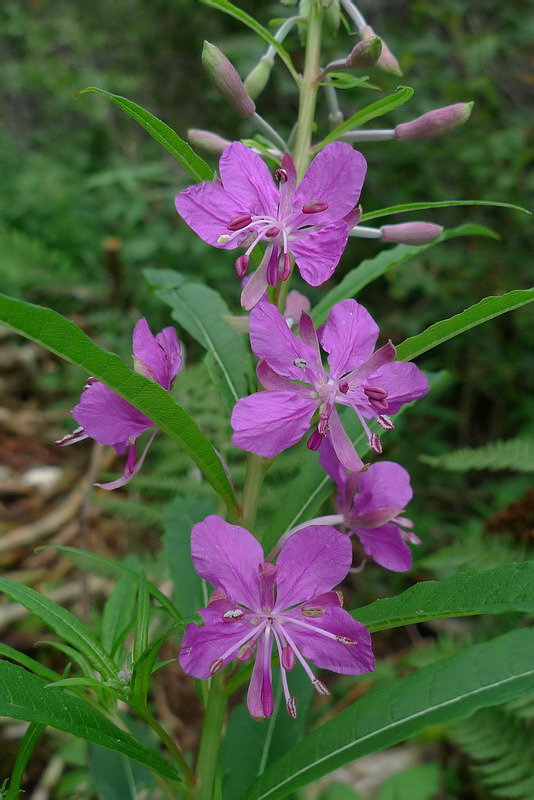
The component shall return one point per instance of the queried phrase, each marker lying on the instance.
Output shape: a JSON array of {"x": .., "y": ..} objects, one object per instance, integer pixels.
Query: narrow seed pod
[{"x": 226, "y": 80}]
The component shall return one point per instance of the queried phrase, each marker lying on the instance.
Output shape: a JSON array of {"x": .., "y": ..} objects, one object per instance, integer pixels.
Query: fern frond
[
  {"x": 132, "y": 510},
  {"x": 514, "y": 454},
  {"x": 501, "y": 746}
]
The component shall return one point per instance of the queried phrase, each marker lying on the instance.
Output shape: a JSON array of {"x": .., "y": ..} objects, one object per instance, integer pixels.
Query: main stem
[
  {"x": 308, "y": 90},
  {"x": 217, "y": 699},
  {"x": 211, "y": 739}
]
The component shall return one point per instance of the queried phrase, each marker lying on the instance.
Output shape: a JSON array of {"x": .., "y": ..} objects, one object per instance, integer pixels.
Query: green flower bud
[
  {"x": 366, "y": 54},
  {"x": 332, "y": 16},
  {"x": 256, "y": 80},
  {"x": 226, "y": 80}
]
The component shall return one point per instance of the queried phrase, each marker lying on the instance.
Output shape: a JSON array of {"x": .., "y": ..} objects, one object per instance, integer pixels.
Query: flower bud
[
  {"x": 366, "y": 54},
  {"x": 256, "y": 80},
  {"x": 226, "y": 80},
  {"x": 411, "y": 232},
  {"x": 208, "y": 141},
  {"x": 332, "y": 16},
  {"x": 387, "y": 60},
  {"x": 435, "y": 123}
]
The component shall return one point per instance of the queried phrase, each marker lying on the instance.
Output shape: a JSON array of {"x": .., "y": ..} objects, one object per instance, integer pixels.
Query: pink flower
[
  {"x": 371, "y": 503},
  {"x": 289, "y": 604},
  {"x": 371, "y": 383},
  {"x": 105, "y": 417},
  {"x": 309, "y": 221}
]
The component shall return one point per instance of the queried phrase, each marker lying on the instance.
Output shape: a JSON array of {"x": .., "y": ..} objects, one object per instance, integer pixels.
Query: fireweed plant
[{"x": 259, "y": 611}]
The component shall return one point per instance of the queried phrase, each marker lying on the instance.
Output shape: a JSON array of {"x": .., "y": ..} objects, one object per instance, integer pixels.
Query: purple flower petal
[
  {"x": 131, "y": 467},
  {"x": 260, "y": 691},
  {"x": 208, "y": 208},
  {"x": 403, "y": 382},
  {"x": 296, "y": 303},
  {"x": 256, "y": 285},
  {"x": 311, "y": 562},
  {"x": 317, "y": 252},
  {"x": 271, "y": 339},
  {"x": 228, "y": 556},
  {"x": 384, "y": 492},
  {"x": 246, "y": 178},
  {"x": 327, "y": 653},
  {"x": 270, "y": 379},
  {"x": 386, "y": 546},
  {"x": 349, "y": 336},
  {"x": 335, "y": 176},
  {"x": 342, "y": 444},
  {"x": 107, "y": 418},
  {"x": 156, "y": 357},
  {"x": 332, "y": 465},
  {"x": 203, "y": 646},
  {"x": 266, "y": 423}
]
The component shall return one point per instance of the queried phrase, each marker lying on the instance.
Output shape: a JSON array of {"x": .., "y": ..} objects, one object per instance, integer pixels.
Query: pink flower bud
[
  {"x": 366, "y": 54},
  {"x": 226, "y": 80},
  {"x": 411, "y": 232},
  {"x": 435, "y": 123},
  {"x": 387, "y": 60},
  {"x": 208, "y": 141}
]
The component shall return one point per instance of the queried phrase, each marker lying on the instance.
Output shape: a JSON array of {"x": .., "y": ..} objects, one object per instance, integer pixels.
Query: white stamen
[
  {"x": 320, "y": 687},
  {"x": 224, "y": 238}
]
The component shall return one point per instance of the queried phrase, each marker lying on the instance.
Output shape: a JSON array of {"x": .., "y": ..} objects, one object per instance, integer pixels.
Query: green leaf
[
  {"x": 377, "y": 109},
  {"x": 115, "y": 777},
  {"x": 340, "y": 791},
  {"x": 452, "y": 689},
  {"x": 160, "y": 131},
  {"x": 28, "y": 744},
  {"x": 250, "y": 22},
  {"x": 93, "y": 562},
  {"x": 373, "y": 268},
  {"x": 118, "y": 613},
  {"x": 61, "y": 622},
  {"x": 401, "y": 209},
  {"x": 200, "y": 310},
  {"x": 63, "y": 337},
  {"x": 143, "y": 618},
  {"x": 486, "y": 309},
  {"x": 144, "y": 667},
  {"x": 260, "y": 743},
  {"x": 515, "y": 454},
  {"x": 25, "y": 696},
  {"x": 30, "y": 663},
  {"x": 416, "y": 783},
  {"x": 493, "y": 591},
  {"x": 181, "y": 514}
]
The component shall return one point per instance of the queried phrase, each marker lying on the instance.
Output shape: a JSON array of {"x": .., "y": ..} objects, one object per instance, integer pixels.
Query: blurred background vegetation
[{"x": 87, "y": 204}]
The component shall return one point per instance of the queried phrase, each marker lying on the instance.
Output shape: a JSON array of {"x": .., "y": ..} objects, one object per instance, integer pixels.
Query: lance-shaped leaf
[
  {"x": 27, "y": 746},
  {"x": 201, "y": 311},
  {"x": 389, "y": 258},
  {"x": 24, "y": 696},
  {"x": 253, "y": 24},
  {"x": 162, "y": 133},
  {"x": 486, "y": 309},
  {"x": 401, "y": 209},
  {"x": 63, "y": 337},
  {"x": 452, "y": 689},
  {"x": 62, "y": 622},
  {"x": 492, "y": 591}
]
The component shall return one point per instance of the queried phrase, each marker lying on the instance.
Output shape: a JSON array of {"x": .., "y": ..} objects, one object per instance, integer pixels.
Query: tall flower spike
[
  {"x": 309, "y": 221},
  {"x": 289, "y": 605},
  {"x": 372, "y": 504},
  {"x": 105, "y": 417},
  {"x": 373, "y": 384}
]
